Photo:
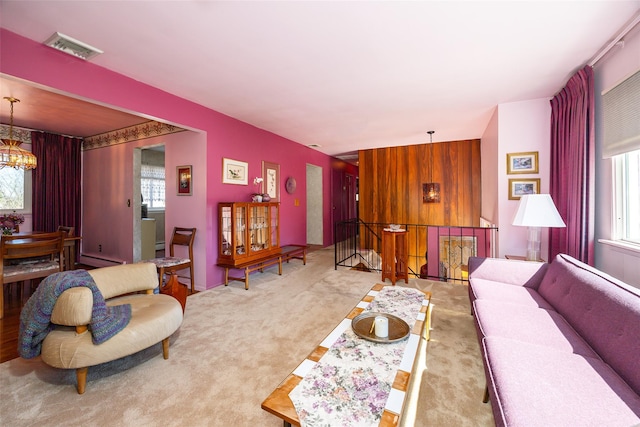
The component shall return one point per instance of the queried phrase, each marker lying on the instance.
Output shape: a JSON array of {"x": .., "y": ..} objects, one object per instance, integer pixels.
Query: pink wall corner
[
  {"x": 489, "y": 156},
  {"x": 225, "y": 137}
]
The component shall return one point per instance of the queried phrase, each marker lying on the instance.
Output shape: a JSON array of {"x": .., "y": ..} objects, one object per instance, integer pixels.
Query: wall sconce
[
  {"x": 431, "y": 190},
  {"x": 536, "y": 211}
]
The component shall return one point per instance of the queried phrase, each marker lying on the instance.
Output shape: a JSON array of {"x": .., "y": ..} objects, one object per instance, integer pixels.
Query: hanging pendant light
[
  {"x": 431, "y": 190},
  {"x": 10, "y": 152}
]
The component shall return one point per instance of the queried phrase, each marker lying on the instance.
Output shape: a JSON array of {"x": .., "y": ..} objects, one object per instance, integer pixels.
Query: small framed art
[
  {"x": 520, "y": 187},
  {"x": 271, "y": 175},
  {"x": 235, "y": 172},
  {"x": 520, "y": 163},
  {"x": 183, "y": 174}
]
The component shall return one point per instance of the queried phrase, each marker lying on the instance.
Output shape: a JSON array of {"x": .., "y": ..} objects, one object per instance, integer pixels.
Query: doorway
[
  {"x": 149, "y": 202},
  {"x": 315, "y": 231}
]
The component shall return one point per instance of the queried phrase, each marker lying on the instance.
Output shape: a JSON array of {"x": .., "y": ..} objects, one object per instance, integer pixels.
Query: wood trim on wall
[{"x": 391, "y": 184}]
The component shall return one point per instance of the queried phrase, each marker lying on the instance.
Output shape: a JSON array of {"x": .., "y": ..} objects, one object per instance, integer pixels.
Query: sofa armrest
[
  {"x": 523, "y": 273},
  {"x": 73, "y": 307}
]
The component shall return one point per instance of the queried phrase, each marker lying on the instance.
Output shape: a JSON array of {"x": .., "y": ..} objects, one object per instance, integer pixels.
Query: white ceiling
[{"x": 342, "y": 75}]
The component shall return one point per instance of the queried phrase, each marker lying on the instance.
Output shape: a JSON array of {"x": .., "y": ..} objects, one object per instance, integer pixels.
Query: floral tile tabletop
[{"x": 351, "y": 385}]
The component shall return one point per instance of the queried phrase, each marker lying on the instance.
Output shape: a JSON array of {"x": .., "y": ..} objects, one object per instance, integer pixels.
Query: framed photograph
[
  {"x": 522, "y": 163},
  {"x": 271, "y": 177},
  {"x": 184, "y": 180},
  {"x": 520, "y": 187},
  {"x": 235, "y": 172}
]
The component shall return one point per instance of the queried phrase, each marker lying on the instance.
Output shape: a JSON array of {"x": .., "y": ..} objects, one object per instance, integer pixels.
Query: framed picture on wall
[
  {"x": 271, "y": 176},
  {"x": 520, "y": 187},
  {"x": 518, "y": 163},
  {"x": 235, "y": 172},
  {"x": 184, "y": 180}
]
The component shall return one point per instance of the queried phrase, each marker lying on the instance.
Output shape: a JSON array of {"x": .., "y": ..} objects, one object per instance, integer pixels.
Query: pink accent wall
[
  {"x": 522, "y": 127},
  {"x": 225, "y": 137}
]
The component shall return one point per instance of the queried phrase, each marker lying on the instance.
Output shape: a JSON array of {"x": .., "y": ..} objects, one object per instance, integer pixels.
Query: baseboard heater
[{"x": 98, "y": 260}]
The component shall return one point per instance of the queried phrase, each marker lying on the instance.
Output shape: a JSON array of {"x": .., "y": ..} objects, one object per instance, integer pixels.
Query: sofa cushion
[
  {"x": 122, "y": 279},
  {"x": 603, "y": 310},
  {"x": 573, "y": 390},
  {"x": 514, "y": 294},
  {"x": 528, "y": 324}
]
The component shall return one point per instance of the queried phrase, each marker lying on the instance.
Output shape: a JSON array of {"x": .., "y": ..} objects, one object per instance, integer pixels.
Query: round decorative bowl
[{"x": 394, "y": 227}]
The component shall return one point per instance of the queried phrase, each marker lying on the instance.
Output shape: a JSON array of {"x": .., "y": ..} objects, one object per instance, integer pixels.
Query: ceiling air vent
[{"x": 72, "y": 46}]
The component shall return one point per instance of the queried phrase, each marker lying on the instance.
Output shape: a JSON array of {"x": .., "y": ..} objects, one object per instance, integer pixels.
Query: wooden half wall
[{"x": 390, "y": 184}]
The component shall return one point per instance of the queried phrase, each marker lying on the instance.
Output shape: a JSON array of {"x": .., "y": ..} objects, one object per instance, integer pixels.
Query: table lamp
[{"x": 536, "y": 211}]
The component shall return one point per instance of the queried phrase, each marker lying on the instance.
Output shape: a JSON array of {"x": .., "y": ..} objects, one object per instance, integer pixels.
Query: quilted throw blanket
[{"x": 35, "y": 318}]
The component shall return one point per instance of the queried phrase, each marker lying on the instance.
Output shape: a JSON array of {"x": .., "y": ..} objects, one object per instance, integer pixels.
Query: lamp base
[{"x": 533, "y": 244}]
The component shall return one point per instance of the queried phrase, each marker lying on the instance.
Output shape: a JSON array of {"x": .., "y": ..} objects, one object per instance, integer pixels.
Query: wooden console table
[{"x": 395, "y": 251}]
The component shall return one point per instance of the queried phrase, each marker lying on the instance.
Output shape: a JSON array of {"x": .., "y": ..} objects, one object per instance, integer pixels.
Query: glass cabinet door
[
  {"x": 225, "y": 230},
  {"x": 259, "y": 227},
  {"x": 273, "y": 228},
  {"x": 240, "y": 230}
]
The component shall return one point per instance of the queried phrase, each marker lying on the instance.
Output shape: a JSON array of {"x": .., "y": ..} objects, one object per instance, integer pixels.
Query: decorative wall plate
[{"x": 291, "y": 185}]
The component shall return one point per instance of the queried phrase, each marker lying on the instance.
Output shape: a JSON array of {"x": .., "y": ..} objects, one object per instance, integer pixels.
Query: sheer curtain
[
  {"x": 56, "y": 182},
  {"x": 573, "y": 167}
]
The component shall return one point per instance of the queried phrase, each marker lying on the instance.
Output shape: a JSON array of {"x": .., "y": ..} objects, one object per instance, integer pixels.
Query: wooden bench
[
  {"x": 286, "y": 253},
  {"x": 295, "y": 252}
]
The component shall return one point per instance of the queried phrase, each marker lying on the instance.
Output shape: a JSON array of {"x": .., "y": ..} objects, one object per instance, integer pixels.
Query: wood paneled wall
[{"x": 391, "y": 184}]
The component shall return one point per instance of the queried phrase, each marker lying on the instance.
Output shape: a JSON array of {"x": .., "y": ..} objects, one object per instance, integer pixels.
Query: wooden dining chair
[
  {"x": 28, "y": 257},
  {"x": 182, "y": 237},
  {"x": 69, "y": 259},
  {"x": 69, "y": 230}
]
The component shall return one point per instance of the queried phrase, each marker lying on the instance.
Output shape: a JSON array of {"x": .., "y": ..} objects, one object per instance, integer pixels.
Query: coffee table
[{"x": 405, "y": 385}]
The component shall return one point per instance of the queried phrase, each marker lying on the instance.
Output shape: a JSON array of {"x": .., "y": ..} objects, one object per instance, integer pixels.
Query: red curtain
[
  {"x": 56, "y": 196},
  {"x": 573, "y": 167}
]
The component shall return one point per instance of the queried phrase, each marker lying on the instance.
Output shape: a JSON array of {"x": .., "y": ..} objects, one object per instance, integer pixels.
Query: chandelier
[
  {"x": 10, "y": 152},
  {"x": 431, "y": 190}
]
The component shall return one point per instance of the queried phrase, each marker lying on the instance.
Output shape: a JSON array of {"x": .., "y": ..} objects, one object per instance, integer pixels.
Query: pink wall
[
  {"x": 225, "y": 137},
  {"x": 489, "y": 157},
  {"x": 522, "y": 127}
]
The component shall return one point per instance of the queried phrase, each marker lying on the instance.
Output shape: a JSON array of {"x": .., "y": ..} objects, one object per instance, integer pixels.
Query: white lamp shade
[{"x": 537, "y": 210}]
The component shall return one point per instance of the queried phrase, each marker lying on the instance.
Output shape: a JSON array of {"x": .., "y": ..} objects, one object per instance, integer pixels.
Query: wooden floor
[{"x": 15, "y": 295}]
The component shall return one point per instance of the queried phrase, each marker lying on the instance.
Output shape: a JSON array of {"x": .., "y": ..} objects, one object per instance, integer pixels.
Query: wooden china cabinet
[{"x": 247, "y": 231}]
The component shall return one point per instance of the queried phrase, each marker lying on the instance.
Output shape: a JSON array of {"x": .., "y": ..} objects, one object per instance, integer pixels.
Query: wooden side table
[
  {"x": 520, "y": 258},
  {"x": 395, "y": 253}
]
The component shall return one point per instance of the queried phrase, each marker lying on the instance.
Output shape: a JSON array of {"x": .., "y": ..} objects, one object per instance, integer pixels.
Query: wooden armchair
[{"x": 29, "y": 257}]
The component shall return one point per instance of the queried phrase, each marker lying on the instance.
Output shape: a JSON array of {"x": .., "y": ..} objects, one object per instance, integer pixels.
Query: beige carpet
[{"x": 234, "y": 348}]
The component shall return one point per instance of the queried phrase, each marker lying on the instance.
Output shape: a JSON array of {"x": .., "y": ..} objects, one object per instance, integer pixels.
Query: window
[
  {"x": 627, "y": 196},
  {"x": 152, "y": 185},
  {"x": 15, "y": 190}
]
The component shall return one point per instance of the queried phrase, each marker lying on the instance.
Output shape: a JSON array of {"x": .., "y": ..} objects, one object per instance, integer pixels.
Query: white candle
[{"x": 382, "y": 326}]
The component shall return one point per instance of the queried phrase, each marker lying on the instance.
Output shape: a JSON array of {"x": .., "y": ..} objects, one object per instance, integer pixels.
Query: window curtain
[
  {"x": 573, "y": 167},
  {"x": 56, "y": 182}
]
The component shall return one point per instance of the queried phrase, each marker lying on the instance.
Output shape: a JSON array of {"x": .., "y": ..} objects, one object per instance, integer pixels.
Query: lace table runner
[{"x": 351, "y": 385}]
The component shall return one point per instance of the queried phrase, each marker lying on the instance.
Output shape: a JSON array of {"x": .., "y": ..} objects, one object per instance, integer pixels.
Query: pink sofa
[{"x": 560, "y": 342}]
